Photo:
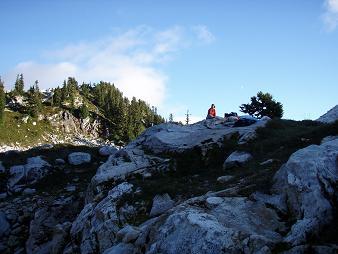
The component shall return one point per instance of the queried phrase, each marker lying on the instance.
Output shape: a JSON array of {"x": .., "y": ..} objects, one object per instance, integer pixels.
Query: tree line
[{"x": 125, "y": 119}]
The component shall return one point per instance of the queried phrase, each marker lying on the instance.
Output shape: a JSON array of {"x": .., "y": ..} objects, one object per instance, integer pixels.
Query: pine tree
[
  {"x": 187, "y": 119},
  {"x": 57, "y": 97},
  {"x": 171, "y": 118},
  {"x": 263, "y": 105},
  {"x": 2, "y": 100},
  {"x": 64, "y": 91},
  {"x": 72, "y": 87},
  {"x": 19, "y": 85},
  {"x": 34, "y": 100},
  {"x": 85, "y": 90}
]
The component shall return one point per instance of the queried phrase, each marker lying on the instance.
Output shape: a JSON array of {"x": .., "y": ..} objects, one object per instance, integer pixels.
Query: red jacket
[{"x": 212, "y": 112}]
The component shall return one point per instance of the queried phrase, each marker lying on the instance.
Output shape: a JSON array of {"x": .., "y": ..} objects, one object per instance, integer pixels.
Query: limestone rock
[
  {"x": 29, "y": 191},
  {"x": 267, "y": 162},
  {"x": 330, "y": 116},
  {"x": 224, "y": 179},
  {"x": 328, "y": 138},
  {"x": 107, "y": 150},
  {"x": 121, "y": 248},
  {"x": 161, "y": 203},
  {"x": 128, "y": 234},
  {"x": 237, "y": 158},
  {"x": 96, "y": 226},
  {"x": 4, "y": 225},
  {"x": 79, "y": 158},
  {"x": 213, "y": 201},
  {"x": 307, "y": 181},
  {"x": 49, "y": 229},
  {"x": 232, "y": 226},
  {"x": 35, "y": 169}
]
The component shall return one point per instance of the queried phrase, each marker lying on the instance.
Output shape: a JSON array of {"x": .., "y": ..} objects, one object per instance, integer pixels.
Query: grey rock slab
[
  {"x": 172, "y": 137},
  {"x": 214, "y": 201},
  {"x": 128, "y": 234},
  {"x": 330, "y": 116},
  {"x": 97, "y": 224},
  {"x": 4, "y": 225},
  {"x": 29, "y": 191},
  {"x": 30, "y": 173},
  {"x": 267, "y": 162},
  {"x": 59, "y": 162},
  {"x": 328, "y": 138},
  {"x": 17, "y": 174},
  {"x": 161, "y": 203},
  {"x": 232, "y": 226},
  {"x": 3, "y": 195},
  {"x": 121, "y": 248},
  {"x": 224, "y": 179},
  {"x": 123, "y": 163},
  {"x": 308, "y": 181},
  {"x": 79, "y": 158},
  {"x": 107, "y": 150},
  {"x": 237, "y": 158}
]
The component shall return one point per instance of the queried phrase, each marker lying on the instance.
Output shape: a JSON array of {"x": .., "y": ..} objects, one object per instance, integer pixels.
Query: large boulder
[
  {"x": 4, "y": 225},
  {"x": 161, "y": 203},
  {"x": 126, "y": 162},
  {"x": 202, "y": 225},
  {"x": 176, "y": 138},
  {"x": 97, "y": 225},
  {"x": 237, "y": 159},
  {"x": 49, "y": 229},
  {"x": 79, "y": 158},
  {"x": 107, "y": 150},
  {"x": 330, "y": 116},
  {"x": 30, "y": 173},
  {"x": 308, "y": 182}
]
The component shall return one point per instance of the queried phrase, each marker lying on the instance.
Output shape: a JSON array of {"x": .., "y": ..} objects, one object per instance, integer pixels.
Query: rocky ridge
[{"x": 112, "y": 214}]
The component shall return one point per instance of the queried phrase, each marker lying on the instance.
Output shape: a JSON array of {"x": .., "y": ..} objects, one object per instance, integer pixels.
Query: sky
[{"x": 180, "y": 55}]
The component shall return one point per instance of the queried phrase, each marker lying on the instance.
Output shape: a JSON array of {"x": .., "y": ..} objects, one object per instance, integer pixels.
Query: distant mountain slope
[
  {"x": 71, "y": 113},
  {"x": 330, "y": 116}
]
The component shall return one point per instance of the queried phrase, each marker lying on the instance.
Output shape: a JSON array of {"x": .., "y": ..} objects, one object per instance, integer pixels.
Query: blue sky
[{"x": 180, "y": 55}]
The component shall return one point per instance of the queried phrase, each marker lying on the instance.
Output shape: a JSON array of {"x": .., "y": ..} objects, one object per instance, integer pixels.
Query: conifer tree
[
  {"x": 57, "y": 97},
  {"x": 19, "y": 85},
  {"x": 85, "y": 90},
  {"x": 187, "y": 117},
  {"x": 64, "y": 91},
  {"x": 171, "y": 118},
  {"x": 34, "y": 100},
  {"x": 263, "y": 105},
  {"x": 2, "y": 100}
]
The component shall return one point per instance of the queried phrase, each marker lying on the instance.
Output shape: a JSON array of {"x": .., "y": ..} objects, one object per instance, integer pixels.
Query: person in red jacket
[{"x": 211, "y": 112}]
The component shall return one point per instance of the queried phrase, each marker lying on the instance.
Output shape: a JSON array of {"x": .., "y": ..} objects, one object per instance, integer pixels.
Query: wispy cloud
[
  {"x": 132, "y": 60},
  {"x": 203, "y": 34},
  {"x": 330, "y": 16}
]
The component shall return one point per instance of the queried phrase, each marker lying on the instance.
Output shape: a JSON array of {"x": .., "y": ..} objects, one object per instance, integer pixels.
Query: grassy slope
[{"x": 14, "y": 131}]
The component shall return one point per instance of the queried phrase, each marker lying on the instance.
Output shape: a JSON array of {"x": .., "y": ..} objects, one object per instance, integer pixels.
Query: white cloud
[
  {"x": 132, "y": 60},
  {"x": 203, "y": 34},
  {"x": 330, "y": 17}
]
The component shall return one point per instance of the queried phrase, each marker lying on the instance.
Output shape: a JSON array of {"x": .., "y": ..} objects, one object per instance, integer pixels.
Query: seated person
[{"x": 211, "y": 112}]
